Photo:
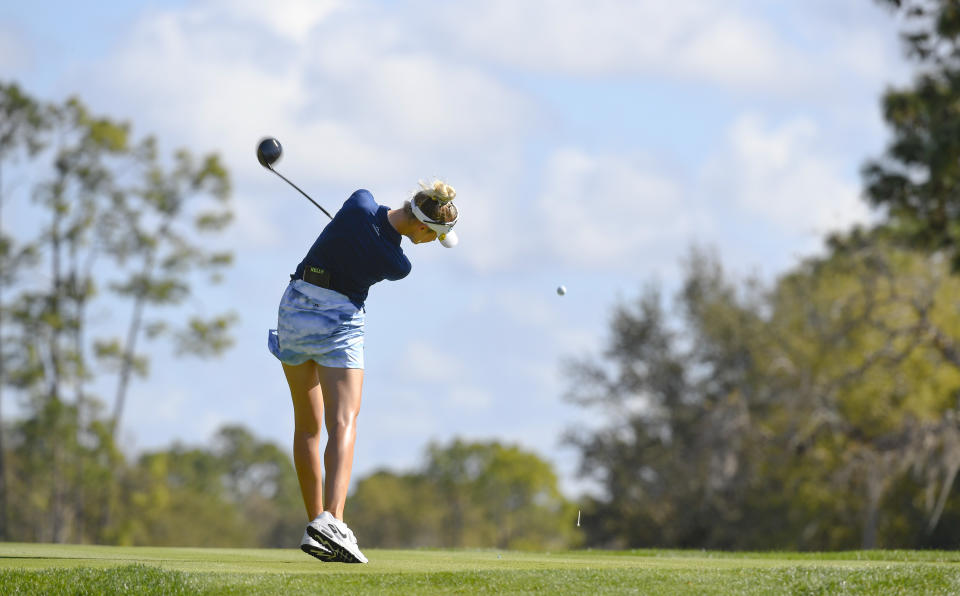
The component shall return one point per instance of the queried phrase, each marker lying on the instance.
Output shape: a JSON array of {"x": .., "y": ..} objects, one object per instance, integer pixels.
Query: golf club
[{"x": 268, "y": 152}]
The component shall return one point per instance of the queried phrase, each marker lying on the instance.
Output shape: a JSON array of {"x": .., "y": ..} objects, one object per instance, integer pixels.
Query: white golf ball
[{"x": 561, "y": 290}]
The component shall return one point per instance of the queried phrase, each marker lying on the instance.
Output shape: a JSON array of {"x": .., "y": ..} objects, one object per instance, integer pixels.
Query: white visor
[{"x": 445, "y": 233}]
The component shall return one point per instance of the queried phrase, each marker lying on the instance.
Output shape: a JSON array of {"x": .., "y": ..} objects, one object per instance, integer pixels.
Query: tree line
[
  {"x": 821, "y": 411},
  {"x": 818, "y": 414},
  {"x": 106, "y": 228}
]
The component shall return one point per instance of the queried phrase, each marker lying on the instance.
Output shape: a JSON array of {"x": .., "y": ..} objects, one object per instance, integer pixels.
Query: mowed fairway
[{"x": 74, "y": 569}]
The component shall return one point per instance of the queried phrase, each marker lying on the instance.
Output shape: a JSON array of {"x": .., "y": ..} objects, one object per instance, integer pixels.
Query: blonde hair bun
[{"x": 439, "y": 191}]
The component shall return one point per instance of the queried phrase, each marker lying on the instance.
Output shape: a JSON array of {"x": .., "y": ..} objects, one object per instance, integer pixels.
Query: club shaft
[{"x": 301, "y": 191}]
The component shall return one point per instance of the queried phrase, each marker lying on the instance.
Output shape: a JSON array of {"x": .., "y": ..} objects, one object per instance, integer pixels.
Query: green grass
[{"x": 77, "y": 569}]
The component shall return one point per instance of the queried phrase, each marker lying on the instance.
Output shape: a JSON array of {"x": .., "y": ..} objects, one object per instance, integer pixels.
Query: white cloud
[
  {"x": 364, "y": 99},
  {"x": 293, "y": 19},
  {"x": 742, "y": 45},
  {"x": 251, "y": 224},
  {"x": 736, "y": 51},
  {"x": 868, "y": 52},
  {"x": 16, "y": 53},
  {"x": 443, "y": 375},
  {"x": 785, "y": 175},
  {"x": 573, "y": 36},
  {"x": 352, "y": 86},
  {"x": 353, "y": 104},
  {"x": 490, "y": 237},
  {"x": 409, "y": 414},
  {"x": 470, "y": 398},
  {"x": 424, "y": 362},
  {"x": 597, "y": 211}
]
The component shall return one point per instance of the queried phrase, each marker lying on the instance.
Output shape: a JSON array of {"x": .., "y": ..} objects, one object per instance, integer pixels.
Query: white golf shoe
[
  {"x": 337, "y": 537},
  {"x": 314, "y": 548}
]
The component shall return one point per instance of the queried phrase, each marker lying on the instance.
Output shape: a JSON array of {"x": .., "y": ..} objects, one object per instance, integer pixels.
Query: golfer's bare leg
[
  {"x": 342, "y": 388},
  {"x": 305, "y": 389}
]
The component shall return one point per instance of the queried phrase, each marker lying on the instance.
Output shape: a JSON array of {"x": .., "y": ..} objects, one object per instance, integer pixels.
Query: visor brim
[{"x": 450, "y": 239}]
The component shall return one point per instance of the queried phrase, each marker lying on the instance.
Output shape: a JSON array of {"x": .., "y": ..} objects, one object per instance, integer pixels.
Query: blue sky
[{"x": 592, "y": 143}]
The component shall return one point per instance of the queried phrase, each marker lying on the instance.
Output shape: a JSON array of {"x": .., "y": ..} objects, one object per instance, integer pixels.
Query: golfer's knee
[
  {"x": 343, "y": 424},
  {"x": 309, "y": 433}
]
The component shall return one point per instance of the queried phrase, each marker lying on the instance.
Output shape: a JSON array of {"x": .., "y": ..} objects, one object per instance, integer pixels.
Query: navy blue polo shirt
[{"x": 359, "y": 248}]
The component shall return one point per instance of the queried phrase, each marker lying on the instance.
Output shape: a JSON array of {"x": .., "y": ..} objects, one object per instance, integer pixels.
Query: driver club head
[{"x": 268, "y": 151}]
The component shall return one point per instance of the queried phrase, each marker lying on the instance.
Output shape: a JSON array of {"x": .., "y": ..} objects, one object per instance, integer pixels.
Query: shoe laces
[
  {"x": 346, "y": 530},
  {"x": 349, "y": 533}
]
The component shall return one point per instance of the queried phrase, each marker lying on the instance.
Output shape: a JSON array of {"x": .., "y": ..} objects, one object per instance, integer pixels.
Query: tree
[
  {"x": 147, "y": 230},
  {"x": 396, "y": 510},
  {"x": 917, "y": 181},
  {"x": 866, "y": 335},
  {"x": 261, "y": 480},
  {"x": 820, "y": 413},
  {"x": 238, "y": 492},
  {"x": 480, "y": 495},
  {"x": 677, "y": 391},
  {"x": 81, "y": 151},
  {"x": 114, "y": 216},
  {"x": 22, "y": 122},
  {"x": 86, "y": 465},
  {"x": 497, "y": 495}
]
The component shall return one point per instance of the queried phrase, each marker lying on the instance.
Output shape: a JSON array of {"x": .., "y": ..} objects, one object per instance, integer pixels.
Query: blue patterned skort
[{"x": 315, "y": 323}]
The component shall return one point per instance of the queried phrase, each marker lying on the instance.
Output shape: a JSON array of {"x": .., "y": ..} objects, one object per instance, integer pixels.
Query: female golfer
[{"x": 319, "y": 341}]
